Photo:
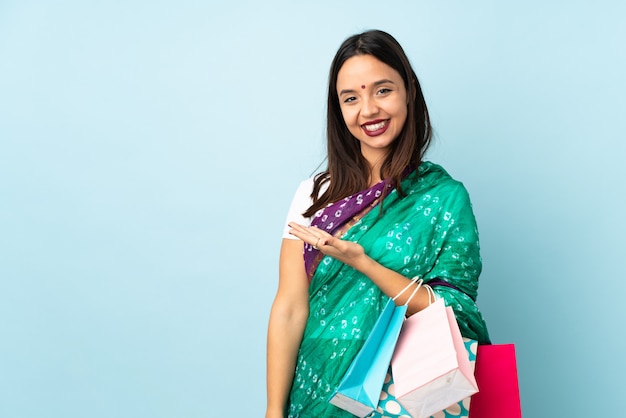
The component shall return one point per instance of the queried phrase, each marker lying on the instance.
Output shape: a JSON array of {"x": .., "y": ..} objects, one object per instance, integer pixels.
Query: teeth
[{"x": 376, "y": 126}]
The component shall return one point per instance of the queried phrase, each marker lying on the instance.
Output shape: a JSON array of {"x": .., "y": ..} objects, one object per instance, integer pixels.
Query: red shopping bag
[{"x": 496, "y": 375}]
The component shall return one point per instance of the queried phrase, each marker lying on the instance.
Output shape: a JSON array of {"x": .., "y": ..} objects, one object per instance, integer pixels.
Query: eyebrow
[{"x": 375, "y": 84}]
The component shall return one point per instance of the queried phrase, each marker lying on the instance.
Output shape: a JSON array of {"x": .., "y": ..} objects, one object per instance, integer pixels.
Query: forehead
[{"x": 364, "y": 69}]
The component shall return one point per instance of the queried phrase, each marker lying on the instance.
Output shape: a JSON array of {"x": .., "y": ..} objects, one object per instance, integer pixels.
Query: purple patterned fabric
[{"x": 335, "y": 215}]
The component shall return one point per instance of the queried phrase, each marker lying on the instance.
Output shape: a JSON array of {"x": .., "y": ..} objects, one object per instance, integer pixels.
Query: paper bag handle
[
  {"x": 430, "y": 292},
  {"x": 419, "y": 282}
]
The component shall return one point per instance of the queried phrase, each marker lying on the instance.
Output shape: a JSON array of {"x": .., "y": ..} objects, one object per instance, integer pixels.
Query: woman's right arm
[{"x": 288, "y": 317}]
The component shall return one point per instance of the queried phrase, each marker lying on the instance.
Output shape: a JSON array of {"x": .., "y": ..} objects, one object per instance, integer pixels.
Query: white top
[{"x": 301, "y": 202}]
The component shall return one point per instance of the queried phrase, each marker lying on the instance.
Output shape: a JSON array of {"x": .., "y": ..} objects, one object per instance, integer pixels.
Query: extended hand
[{"x": 347, "y": 252}]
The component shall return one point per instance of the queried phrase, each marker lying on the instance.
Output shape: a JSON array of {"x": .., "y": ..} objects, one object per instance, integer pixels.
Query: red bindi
[{"x": 363, "y": 86}]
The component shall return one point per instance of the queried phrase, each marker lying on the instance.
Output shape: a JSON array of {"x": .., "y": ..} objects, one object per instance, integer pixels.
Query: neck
[{"x": 375, "y": 162}]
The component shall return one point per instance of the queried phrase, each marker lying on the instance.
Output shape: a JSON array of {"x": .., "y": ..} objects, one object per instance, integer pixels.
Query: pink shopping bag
[
  {"x": 496, "y": 374},
  {"x": 430, "y": 366}
]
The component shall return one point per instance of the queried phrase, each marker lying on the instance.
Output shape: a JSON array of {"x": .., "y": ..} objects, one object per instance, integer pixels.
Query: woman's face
[{"x": 373, "y": 103}]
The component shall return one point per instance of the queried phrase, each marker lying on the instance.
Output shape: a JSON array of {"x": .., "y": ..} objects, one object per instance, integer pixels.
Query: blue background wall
[{"x": 149, "y": 151}]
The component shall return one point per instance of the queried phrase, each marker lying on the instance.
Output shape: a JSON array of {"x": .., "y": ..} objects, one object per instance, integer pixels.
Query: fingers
[{"x": 311, "y": 235}]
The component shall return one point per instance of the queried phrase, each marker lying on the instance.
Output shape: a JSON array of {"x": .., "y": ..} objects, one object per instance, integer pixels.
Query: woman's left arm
[{"x": 352, "y": 254}]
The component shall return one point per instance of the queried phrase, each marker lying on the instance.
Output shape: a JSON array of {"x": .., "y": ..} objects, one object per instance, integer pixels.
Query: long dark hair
[{"x": 348, "y": 171}]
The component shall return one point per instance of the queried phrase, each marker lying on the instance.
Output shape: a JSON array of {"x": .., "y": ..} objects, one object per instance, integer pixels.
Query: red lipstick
[{"x": 379, "y": 127}]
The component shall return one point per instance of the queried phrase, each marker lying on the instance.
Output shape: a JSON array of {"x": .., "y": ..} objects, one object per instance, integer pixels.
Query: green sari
[{"x": 430, "y": 232}]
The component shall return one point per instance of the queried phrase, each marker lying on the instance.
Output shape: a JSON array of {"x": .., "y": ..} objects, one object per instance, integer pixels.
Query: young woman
[{"x": 378, "y": 216}]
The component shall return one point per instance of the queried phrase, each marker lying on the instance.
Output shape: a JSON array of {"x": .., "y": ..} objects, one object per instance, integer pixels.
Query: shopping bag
[
  {"x": 388, "y": 405},
  {"x": 496, "y": 374},
  {"x": 430, "y": 366},
  {"x": 360, "y": 387},
  {"x": 359, "y": 390}
]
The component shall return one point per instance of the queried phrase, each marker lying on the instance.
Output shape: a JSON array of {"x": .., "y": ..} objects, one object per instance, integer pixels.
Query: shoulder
[
  {"x": 300, "y": 203},
  {"x": 430, "y": 176},
  {"x": 432, "y": 182},
  {"x": 302, "y": 197},
  {"x": 305, "y": 188}
]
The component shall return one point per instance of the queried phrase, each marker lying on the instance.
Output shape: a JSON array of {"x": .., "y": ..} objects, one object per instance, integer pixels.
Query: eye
[
  {"x": 349, "y": 99},
  {"x": 383, "y": 90}
]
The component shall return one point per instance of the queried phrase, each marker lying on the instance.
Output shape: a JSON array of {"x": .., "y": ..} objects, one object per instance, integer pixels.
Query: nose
[{"x": 369, "y": 108}]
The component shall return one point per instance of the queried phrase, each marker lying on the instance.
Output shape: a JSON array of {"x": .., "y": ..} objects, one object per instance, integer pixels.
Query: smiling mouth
[{"x": 376, "y": 126}]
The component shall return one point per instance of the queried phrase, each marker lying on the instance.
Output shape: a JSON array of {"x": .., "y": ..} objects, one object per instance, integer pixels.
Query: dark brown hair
[{"x": 348, "y": 171}]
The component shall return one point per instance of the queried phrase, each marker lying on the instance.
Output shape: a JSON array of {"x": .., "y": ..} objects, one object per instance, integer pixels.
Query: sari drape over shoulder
[{"x": 429, "y": 232}]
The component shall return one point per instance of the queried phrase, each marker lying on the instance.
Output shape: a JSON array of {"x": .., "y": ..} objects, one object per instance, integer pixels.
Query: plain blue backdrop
[{"x": 149, "y": 151}]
